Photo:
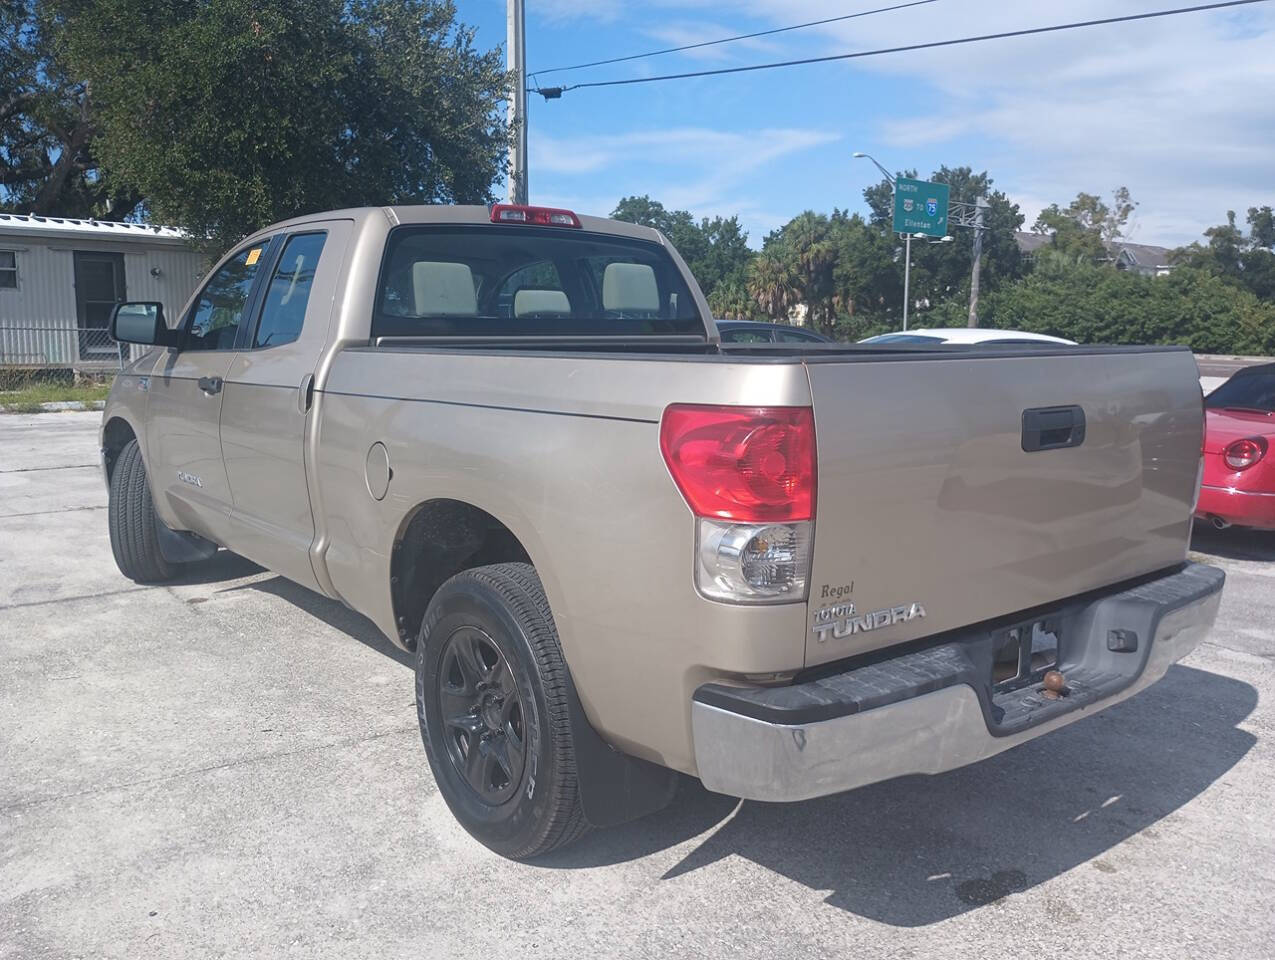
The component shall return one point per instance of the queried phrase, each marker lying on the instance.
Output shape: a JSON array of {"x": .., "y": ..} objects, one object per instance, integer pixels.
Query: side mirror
[{"x": 142, "y": 322}]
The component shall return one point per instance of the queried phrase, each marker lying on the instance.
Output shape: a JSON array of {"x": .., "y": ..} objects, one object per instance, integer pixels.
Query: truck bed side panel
[{"x": 587, "y": 495}]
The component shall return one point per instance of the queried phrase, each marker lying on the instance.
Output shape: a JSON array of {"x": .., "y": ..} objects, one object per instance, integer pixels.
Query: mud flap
[
  {"x": 614, "y": 787},
  {"x": 179, "y": 546}
]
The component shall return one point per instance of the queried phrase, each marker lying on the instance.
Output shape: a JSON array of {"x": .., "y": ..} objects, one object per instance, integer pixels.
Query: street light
[
  {"x": 907, "y": 263},
  {"x": 906, "y": 237},
  {"x": 860, "y": 155}
]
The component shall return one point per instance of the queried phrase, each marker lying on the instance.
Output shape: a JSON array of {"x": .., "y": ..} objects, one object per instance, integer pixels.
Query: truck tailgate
[{"x": 931, "y": 515}]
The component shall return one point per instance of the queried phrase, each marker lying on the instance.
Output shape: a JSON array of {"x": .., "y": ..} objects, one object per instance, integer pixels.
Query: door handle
[
  {"x": 1052, "y": 428},
  {"x": 210, "y": 385},
  {"x": 305, "y": 393}
]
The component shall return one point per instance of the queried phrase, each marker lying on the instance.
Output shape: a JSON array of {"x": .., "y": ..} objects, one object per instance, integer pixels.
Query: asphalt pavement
[{"x": 229, "y": 766}]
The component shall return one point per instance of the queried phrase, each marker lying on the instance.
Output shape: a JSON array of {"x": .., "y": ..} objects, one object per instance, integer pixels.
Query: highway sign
[{"x": 920, "y": 207}]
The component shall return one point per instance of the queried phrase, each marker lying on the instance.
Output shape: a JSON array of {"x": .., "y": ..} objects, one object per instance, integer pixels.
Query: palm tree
[{"x": 773, "y": 282}]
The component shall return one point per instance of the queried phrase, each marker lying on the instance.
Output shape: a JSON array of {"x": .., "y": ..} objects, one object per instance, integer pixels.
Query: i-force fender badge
[
  {"x": 190, "y": 478},
  {"x": 840, "y": 621}
]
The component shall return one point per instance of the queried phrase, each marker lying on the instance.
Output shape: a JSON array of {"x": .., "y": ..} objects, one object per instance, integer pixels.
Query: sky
[{"x": 1181, "y": 110}]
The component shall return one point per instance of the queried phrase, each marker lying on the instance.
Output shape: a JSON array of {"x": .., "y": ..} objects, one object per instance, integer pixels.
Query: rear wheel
[
  {"x": 491, "y": 696},
  {"x": 133, "y": 523}
]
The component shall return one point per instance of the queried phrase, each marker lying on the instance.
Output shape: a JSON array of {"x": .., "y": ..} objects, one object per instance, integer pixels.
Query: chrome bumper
[{"x": 940, "y": 730}]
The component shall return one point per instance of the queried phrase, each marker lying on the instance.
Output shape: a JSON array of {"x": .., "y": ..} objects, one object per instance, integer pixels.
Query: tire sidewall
[{"x": 518, "y": 822}]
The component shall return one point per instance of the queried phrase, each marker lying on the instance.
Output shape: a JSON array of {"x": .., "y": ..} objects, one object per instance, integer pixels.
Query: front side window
[
  {"x": 289, "y": 291},
  {"x": 493, "y": 281},
  {"x": 8, "y": 270},
  {"x": 219, "y": 312}
]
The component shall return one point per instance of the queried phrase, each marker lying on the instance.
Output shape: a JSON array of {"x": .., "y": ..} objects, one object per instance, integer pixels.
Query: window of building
[{"x": 8, "y": 270}]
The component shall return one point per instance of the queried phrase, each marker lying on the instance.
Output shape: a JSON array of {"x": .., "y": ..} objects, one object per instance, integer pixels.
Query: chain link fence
[{"x": 45, "y": 359}]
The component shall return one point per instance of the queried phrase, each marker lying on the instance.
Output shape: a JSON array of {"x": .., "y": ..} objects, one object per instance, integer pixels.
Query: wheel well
[
  {"x": 114, "y": 439},
  {"x": 442, "y": 538}
]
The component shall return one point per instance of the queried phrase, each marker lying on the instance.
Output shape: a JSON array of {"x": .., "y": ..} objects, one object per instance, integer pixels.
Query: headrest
[
  {"x": 630, "y": 287},
  {"x": 528, "y": 303},
  {"x": 443, "y": 289}
]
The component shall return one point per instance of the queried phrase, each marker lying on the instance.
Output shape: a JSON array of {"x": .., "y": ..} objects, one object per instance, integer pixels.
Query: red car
[{"x": 1239, "y": 462}]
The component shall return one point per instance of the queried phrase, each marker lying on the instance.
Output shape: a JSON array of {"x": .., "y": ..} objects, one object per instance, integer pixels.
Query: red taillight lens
[
  {"x": 748, "y": 464},
  {"x": 539, "y": 216},
  {"x": 1242, "y": 454}
]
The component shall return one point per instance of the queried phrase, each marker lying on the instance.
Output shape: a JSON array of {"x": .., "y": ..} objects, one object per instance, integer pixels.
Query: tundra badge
[{"x": 840, "y": 621}]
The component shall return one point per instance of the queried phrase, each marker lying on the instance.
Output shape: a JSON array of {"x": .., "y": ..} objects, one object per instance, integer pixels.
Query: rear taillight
[
  {"x": 1242, "y": 454},
  {"x": 748, "y": 475},
  {"x": 539, "y": 216},
  {"x": 742, "y": 463}
]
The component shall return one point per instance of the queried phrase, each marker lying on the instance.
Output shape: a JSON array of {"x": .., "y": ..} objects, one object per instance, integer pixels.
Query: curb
[{"x": 57, "y": 406}]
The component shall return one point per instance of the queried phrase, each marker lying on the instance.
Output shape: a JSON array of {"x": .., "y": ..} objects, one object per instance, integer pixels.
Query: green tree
[
  {"x": 942, "y": 271},
  {"x": 47, "y": 161},
  {"x": 1087, "y": 227},
  {"x": 867, "y": 279},
  {"x": 716, "y": 250},
  {"x": 1091, "y": 303},
  {"x": 1248, "y": 261},
  {"x": 230, "y": 114},
  {"x": 773, "y": 282},
  {"x": 803, "y": 254}
]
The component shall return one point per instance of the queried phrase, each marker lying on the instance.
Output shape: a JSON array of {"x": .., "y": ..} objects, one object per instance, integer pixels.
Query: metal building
[{"x": 60, "y": 277}]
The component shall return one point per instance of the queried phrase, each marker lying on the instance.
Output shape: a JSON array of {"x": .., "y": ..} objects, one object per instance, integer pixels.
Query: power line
[
  {"x": 552, "y": 93},
  {"x": 742, "y": 36}
]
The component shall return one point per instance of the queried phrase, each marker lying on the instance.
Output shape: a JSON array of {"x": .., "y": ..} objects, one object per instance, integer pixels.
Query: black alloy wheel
[{"x": 484, "y": 716}]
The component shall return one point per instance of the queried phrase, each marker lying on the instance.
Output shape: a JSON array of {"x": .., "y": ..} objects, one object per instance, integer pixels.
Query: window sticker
[{"x": 253, "y": 256}]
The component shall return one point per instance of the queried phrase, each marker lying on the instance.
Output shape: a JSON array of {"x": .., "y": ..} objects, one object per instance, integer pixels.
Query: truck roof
[{"x": 456, "y": 214}]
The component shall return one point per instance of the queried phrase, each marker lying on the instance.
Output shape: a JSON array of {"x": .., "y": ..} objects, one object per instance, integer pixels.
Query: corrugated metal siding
[
  {"x": 38, "y": 324},
  {"x": 39, "y": 343}
]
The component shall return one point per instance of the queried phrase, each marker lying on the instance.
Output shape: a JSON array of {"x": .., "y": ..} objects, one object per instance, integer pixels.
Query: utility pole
[
  {"x": 517, "y": 64},
  {"x": 980, "y": 205}
]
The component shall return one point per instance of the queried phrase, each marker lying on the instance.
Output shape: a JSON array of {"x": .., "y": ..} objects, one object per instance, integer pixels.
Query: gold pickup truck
[{"x": 622, "y": 550}]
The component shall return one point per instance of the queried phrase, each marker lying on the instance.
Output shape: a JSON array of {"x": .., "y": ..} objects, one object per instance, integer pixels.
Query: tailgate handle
[{"x": 1052, "y": 428}]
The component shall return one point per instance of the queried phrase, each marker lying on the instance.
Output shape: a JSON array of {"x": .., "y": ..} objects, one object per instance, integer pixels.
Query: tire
[
  {"x": 134, "y": 540},
  {"x": 491, "y": 698}
]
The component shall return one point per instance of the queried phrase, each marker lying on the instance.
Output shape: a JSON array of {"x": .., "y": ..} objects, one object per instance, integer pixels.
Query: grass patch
[{"x": 28, "y": 397}]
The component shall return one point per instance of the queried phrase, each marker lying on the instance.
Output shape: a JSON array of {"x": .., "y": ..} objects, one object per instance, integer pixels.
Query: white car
[{"x": 966, "y": 335}]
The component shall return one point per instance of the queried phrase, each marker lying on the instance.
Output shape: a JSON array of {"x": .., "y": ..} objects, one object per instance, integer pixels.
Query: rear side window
[
  {"x": 219, "y": 311},
  {"x": 1254, "y": 391},
  {"x": 289, "y": 290},
  {"x": 797, "y": 336},
  {"x": 528, "y": 281}
]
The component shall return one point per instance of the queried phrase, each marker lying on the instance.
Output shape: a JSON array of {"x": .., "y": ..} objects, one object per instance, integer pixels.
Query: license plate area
[{"x": 1021, "y": 654}]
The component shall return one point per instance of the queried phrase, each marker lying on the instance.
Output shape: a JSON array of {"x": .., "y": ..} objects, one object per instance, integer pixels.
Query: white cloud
[
  {"x": 692, "y": 168},
  {"x": 680, "y": 33},
  {"x": 1179, "y": 109}
]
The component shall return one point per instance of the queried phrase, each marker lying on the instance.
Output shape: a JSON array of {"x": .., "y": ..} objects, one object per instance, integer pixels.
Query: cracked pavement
[{"x": 229, "y": 766}]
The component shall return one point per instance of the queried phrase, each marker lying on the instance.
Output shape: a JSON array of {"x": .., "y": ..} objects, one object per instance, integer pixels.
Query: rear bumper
[
  {"x": 1245, "y": 508},
  {"x": 935, "y": 709}
]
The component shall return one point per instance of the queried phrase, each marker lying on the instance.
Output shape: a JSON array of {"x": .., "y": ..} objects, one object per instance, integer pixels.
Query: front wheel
[
  {"x": 133, "y": 523},
  {"x": 492, "y": 700}
]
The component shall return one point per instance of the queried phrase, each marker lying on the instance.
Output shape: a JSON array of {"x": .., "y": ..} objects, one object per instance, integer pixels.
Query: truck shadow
[
  {"x": 919, "y": 850},
  {"x": 333, "y": 613}
]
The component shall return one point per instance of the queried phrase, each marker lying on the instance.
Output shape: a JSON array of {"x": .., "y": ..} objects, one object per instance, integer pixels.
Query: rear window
[
  {"x": 528, "y": 281},
  {"x": 1254, "y": 391}
]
